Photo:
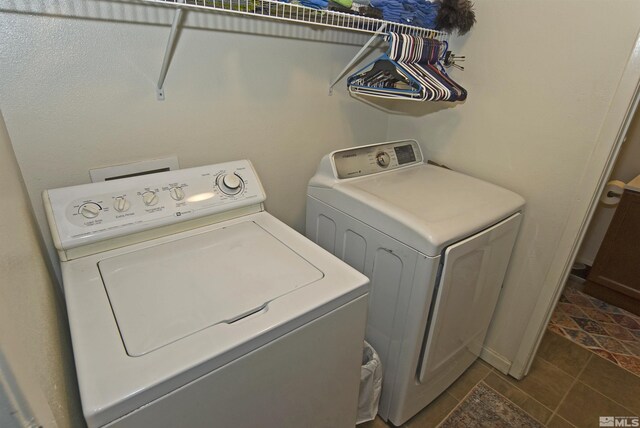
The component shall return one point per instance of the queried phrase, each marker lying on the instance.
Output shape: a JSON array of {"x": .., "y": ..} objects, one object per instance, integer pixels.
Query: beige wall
[
  {"x": 79, "y": 93},
  {"x": 541, "y": 77},
  {"x": 33, "y": 327},
  {"x": 626, "y": 169}
]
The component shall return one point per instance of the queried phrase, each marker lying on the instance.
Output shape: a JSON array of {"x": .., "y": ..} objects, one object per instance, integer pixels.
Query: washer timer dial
[{"x": 230, "y": 184}]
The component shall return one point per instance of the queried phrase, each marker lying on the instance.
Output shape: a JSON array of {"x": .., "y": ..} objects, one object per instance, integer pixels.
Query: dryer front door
[{"x": 472, "y": 275}]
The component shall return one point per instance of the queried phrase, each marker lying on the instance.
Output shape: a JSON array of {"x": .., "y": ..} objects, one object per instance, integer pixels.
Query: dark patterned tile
[
  {"x": 597, "y": 315},
  {"x": 617, "y": 331},
  {"x": 629, "y": 362},
  {"x": 581, "y": 337},
  {"x": 606, "y": 330},
  {"x": 606, "y": 307},
  {"x": 580, "y": 300},
  {"x": 625, "y": 321},
  {"x": 571, "y": 309},
  {"x": 556, "y": 329},
  {"x": 484, "y": 407},
  {"x": 633, "y": 347},
  {"x": 589, "y": 326},
  {"x": 630, "y": 315},
  {"x": 604, "y": 354},
  {"x": 564, "y": 320},
  {"x": 610, "y": 344}
]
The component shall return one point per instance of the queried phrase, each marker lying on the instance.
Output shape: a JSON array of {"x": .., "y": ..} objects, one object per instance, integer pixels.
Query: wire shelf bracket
[
  {"x": 167, "y": 53},
  {"x": 356, "y": 57},
  {"x": 277, "y": 10}
]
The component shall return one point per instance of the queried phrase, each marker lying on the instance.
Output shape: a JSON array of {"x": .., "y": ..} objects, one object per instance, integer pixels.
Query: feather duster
[{"x": 455, "y": 15}]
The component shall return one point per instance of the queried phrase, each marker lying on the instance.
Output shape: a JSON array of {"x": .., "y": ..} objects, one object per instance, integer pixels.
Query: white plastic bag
[{"x": 370, "y": 384}]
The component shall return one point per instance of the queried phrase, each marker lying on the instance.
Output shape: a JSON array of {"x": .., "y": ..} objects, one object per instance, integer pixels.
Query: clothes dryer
[
  {"x": 435, "y": 244},
  {"x": 189, "y": 305}
]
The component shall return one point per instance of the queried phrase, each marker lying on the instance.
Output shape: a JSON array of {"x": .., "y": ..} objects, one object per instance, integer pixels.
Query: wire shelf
[{"x": 296, "y": 13}]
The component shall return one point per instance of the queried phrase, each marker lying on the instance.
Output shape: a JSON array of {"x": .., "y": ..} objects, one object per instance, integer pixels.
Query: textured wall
[
  {"x": 78, "y": 92},
  {"x": 33, "y": 327},
  {"x": 540, "y": 81}
]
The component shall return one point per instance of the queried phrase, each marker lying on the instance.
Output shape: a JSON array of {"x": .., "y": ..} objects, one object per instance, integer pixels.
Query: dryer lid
[
  {"x": 424, "y": 206},
  {"x": 166, "y": 292}
]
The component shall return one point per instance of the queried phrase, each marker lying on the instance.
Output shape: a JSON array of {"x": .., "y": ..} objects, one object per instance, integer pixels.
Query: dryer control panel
[
  {"x": 375, "y": 158},
  {"x": 94, "y": 212}
]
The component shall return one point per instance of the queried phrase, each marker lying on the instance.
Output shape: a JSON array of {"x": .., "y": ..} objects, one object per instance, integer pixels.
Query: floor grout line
[
  {"x": 560, "y": 368},
  {"x": 631, "y": 412},
  {"x": 459, "y": 402},
  {"x": 508, "y": 380},
  {"x": 594, "y": 336},
  {"x": 518, "y": 406},
  {"x": 564, "y": 396}
]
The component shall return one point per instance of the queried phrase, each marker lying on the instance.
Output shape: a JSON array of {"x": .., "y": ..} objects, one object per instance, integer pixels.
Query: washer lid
[
  {"x": 424, "y": 206},
  {"x": 163, "y": 293}
]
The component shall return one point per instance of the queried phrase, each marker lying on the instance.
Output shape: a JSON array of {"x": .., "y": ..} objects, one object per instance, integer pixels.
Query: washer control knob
[
  {"x": 231, "y": 184},
  {"x": 121, "y": 204},
  {"x": 383, "y": 159},
  {"x": 177, "y": 194},
  {"x": 90, "y": 210},
  {"x": 150, "y": 198}
]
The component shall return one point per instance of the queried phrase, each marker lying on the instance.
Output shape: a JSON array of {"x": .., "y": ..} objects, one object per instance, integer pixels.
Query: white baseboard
[{"x": 495, "y": 359}]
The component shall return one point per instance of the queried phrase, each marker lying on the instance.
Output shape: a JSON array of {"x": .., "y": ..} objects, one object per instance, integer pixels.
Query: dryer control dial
[
  {"x": 383, "y": 159},
  {"x": 231, "y": 184},
  {"x": 90, "y": 210},
  {"x": 150, "y": 198}
]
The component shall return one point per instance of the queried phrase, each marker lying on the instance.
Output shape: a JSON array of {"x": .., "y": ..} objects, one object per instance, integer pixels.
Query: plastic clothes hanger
[
  {"x": 408, "y": 51},
  {"x": 411, "y": 69},
  {"x": 384, "y": 78}
]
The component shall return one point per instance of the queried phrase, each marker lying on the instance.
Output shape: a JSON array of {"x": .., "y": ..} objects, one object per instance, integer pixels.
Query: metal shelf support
[
  {"x": 357, "y": 57},
  {"x": 277, "y": 10},
  {"x": 167, "y": 53}
]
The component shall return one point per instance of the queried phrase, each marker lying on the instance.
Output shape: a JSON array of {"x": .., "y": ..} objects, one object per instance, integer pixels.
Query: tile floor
[
  {"x": 607, "y": 330},
  {"x": 568, "y": 386}
]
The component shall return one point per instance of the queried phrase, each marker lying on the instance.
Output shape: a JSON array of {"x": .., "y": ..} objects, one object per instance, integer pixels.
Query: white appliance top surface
[
  {"x": 163, "y": 293},
  {"x": 176, "y": 302},
  {"x": 96, "y": 212},
  {"x": 425, "y": 206}
]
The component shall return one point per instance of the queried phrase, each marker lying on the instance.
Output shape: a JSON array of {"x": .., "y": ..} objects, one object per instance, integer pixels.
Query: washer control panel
[
  {"x": 375, "y": 158},
  {"x": 93, "y": 212}
]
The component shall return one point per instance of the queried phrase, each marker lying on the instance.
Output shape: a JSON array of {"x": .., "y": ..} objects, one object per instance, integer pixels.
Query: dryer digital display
[{"x": 405, "y": 154}]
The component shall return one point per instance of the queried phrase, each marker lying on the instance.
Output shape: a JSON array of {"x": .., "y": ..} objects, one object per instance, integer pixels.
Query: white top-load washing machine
[
  {"x": 191, "y": 306},
  {"x": 435, "y": 244}
]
